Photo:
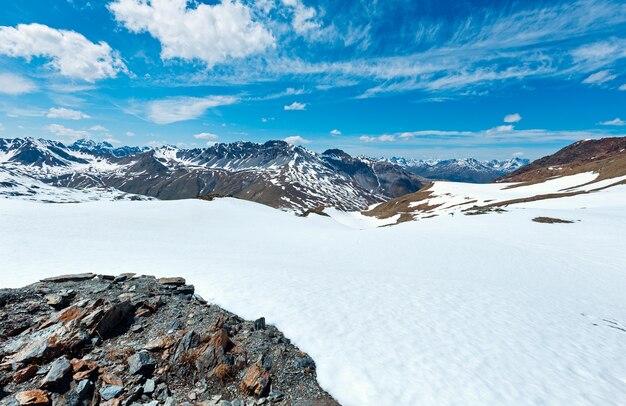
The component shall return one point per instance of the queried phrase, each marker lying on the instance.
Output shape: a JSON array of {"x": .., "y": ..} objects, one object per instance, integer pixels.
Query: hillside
[
  {"x": 605, "y": 157},
  {"x": 581, "y": 168}
]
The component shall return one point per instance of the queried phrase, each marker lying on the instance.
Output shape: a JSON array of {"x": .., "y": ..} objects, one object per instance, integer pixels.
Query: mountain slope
[
  {"x": 605, "y": 156},
  {"x": 275, "y": 173},
  {"x": 581, "y": 168}
]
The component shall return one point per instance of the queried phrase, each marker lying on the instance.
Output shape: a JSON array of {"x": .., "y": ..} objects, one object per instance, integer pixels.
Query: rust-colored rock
[
  {"x": 83, "y": 369},
  {"x": 112, "y": 379},
  {"x": 256, "y": 382},
  {"x": 25, "y": 374},
  {"x": 33, "y": 397},
  {"x": 160, "y": 343},
  {"x": 221, "y": 339},
  {"x": 70, "y": 278},
  {"x": 176, "y": 281}
]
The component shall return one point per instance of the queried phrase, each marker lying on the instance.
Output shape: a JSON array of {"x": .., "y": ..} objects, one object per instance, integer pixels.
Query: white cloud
[
  {"x": 599, "y": 78},
  {"x": 512, "y": 118},
  {"x": 623, "y": 87},
  {"x": 70, "y": 53},
  {"x": 12, "y": 84},
  {"x": 267, "y": 119},
  {"x": 130, "y": 134},
  {"x": 380, "y": 138},
  {"x": 335, "y": 132},
  {"x": 210, "y": 33},
  {"x": 66, "y": 114},
  {"x": 175, "y": 109},
  {"x": 64, "y": 132},
  {"x": 304, "y": 19},
  {"x": 206, "y": 136},
  {"x": 295, "y": 106},
  {"x": 501, "y": 129},
  {"x": 518, "y": 154},
  {"x": 99, "y": 128},
  {"x": 617, "y": 122},
  {"x": 296, "y": 139}
]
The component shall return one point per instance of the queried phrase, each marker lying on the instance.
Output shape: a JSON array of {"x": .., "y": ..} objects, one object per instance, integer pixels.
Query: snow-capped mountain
[
  {"x": 275, "y": 173},
  {"x": 461, "y": 170}
]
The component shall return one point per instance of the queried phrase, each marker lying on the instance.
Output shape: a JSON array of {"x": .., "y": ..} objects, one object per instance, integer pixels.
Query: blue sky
[{"x": 421, "y": 79}]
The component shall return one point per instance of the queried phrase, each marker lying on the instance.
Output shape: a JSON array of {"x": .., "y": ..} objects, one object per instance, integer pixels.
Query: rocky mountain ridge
[
  {"x": 274, "y": 173},
  {"x": 132, "y": 340},
  {"x": 468, "y": 170}
]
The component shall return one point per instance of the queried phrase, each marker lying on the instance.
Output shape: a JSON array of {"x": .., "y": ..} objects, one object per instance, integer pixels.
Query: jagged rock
[
  {"x": 111, "y": 392},
  {"x": 141, "y": 363},
  {"x": 176, "y": 281},
  {"x": 84, "y": 389},
  {"x": 59, "y": 370},
  {"x": 259, "y": 324},
  {"x": 35, "y": 397},
  {"x": 25, "y": 374},
  {"x": 185, "y": 290},
  {"x": 70, "y": 278},
  {"x": 160, "y": 343},
  {"x": 83, "y": 369},
  {"x": 56, "y": 301},
  {"x": 305, "y": 362},
  {"x": 256, "y": 381},
  {"x": 149, "y": 386},
  {"x": 112, "y": 318}
]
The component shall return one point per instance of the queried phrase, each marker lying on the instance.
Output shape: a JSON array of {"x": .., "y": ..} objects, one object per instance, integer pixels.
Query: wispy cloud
[
  {"x": 335, "y": 132},
  {"x": 174, "y": 109},
  {"x": 600, "y": 77},
  {"x": 67, "y": 133},
  {"x": 66, "y": 114},
  {"x": 13, "y": 84},
  {"x": 617, "y": 122}
]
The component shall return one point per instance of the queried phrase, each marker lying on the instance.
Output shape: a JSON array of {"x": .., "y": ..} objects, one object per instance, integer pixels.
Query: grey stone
[
  {"x": 84, "y": 388},
  {"x": 70, "y": 278},
  {"x": 305, "y": 362},
  {"x": 259, "y": 324},
  {"x": 149, "y": 387},
  {"x": 58, "y": 372},
  {"x": 111, "y": 392},
  {"x": 141, "y": 363},
  {"x": 170, "y": 402}
]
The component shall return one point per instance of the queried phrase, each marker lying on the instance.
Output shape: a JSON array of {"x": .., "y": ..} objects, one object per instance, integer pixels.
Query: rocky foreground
[{"x": 126, "y": 340}]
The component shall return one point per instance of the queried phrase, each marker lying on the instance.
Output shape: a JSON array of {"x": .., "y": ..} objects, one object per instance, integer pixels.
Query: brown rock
[
  {"x": 25, "y": 374},
  {"x": 112, "y": 379},
  {"x": 221, "y": 339},
  {"x": 160, "y": 343},
  {"x": 83, "y": 369},
  {"x": 70, "y": 278},
  {"x": 143, "y": 312},
  {"x": 33, "y": 397},
  {"x": 256, "y": 382},
  {"x": 177, "y": 281}
]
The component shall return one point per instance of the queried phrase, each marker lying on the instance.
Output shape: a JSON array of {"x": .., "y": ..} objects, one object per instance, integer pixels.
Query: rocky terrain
[
  {"x": 127, "y": 340},
  {"x": 460, "y": 170},
  {"x": 274, "y": 173},
  {"x": 605, "y": 156}
]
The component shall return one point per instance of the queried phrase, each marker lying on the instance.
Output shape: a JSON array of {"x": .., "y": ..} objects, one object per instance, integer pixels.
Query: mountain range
[
  {"x": 468, "y": 170},
  {"x": 274, "y": 173}
]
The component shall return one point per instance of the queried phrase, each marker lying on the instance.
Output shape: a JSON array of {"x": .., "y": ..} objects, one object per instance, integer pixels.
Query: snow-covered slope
[
  {"x": 453, "y": 310},
  {"x": 441, "y": 198}
]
